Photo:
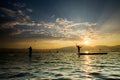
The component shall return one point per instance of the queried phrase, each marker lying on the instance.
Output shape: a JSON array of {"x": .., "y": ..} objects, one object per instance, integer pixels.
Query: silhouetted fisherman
[
  {"x": 78, "y": 50},
  {"x": 30, "y": 51}
]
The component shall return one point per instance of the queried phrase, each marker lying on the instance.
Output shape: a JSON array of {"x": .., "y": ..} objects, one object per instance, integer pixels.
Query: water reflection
[
  {"x": 91, "y": 72},
  {"x": 87, "y": 61},
  {"x": 86, "y": 51},
  {"x": 87, "y": 66},
  {"x": 61, "y": 66}
]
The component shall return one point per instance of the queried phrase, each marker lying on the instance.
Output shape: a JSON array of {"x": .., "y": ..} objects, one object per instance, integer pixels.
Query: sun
[{"x": 86, "y": 42}]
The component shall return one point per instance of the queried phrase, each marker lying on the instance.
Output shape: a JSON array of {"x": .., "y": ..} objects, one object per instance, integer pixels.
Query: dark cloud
[
  {"x": 10, "y": 32},
  {"x": 29, "y": 10},
  {"x": 18, "y": 4},
  {"x": 11, "y": 17}
]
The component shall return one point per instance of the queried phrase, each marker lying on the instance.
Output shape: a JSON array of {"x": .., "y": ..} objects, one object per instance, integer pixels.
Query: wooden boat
[{"x": 97, "y": 53}]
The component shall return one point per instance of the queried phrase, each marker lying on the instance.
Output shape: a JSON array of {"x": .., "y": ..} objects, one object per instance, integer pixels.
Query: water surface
[{"x": 60, "y": 66}]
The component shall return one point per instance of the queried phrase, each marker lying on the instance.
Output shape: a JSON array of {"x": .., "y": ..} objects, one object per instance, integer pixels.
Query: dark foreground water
[{"x": 60, "y": 66}]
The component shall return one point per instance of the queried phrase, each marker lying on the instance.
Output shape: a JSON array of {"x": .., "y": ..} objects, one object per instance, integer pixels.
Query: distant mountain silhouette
[{"x": 65, "y": 49}]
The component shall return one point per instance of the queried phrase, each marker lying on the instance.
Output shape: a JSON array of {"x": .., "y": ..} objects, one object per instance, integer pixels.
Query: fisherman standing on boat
[
  {"x": 78, "y": 47},
  {"x": 30, "y": 52}
]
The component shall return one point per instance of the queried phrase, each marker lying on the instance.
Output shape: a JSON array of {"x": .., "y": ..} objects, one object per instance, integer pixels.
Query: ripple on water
[
  {"x": 102, "y": 66},
  {"x": 61, "y": 69},
  {"x": 47, "y": 62},
  {"x": 58, "y": 75},
  {"x": 58, "y": 79},
  {"x": 111, "y": 79},
  {"x": 63, "y": 79},
  {"x": 14, "y": 75},
  {"x": 53, "y": 74},
  {"x": 115, "y": 75},
  {"x": 78, "y": 71},
  {"x": 96, "y": 74}
]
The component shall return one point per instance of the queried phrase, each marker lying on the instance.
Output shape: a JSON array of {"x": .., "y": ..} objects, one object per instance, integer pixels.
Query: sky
[{"x": 47, "y": 24}]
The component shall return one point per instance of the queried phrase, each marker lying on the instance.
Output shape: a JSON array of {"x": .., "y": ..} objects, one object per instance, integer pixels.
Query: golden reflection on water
[
  {"x": 87, "y": 62},
  {"x": 86, "y": 51},
  {"x": 87, "y": 66}
]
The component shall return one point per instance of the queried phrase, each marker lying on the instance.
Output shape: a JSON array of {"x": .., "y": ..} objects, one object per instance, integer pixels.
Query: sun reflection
[
  {"x": 87, "y": 59},
  {"x": 86, "y": 51},
  {"x": 87, "y": 66}
]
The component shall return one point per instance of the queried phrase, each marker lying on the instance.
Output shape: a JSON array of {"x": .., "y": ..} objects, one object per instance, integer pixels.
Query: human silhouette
[
  {"x": 30, "y": 51},
  {"x": 78, "y": 47}
]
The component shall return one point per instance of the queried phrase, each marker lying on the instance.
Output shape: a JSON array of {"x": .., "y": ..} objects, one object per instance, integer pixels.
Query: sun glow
[{"x": 86, "y": 42}]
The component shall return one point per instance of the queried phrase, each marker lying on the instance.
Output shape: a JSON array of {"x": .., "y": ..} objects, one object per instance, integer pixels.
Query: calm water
[{"x": 60, "y": 66}]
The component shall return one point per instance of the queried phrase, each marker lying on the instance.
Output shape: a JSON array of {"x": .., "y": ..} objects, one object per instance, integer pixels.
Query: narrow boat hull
[{"x": 92, "y": 53}]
